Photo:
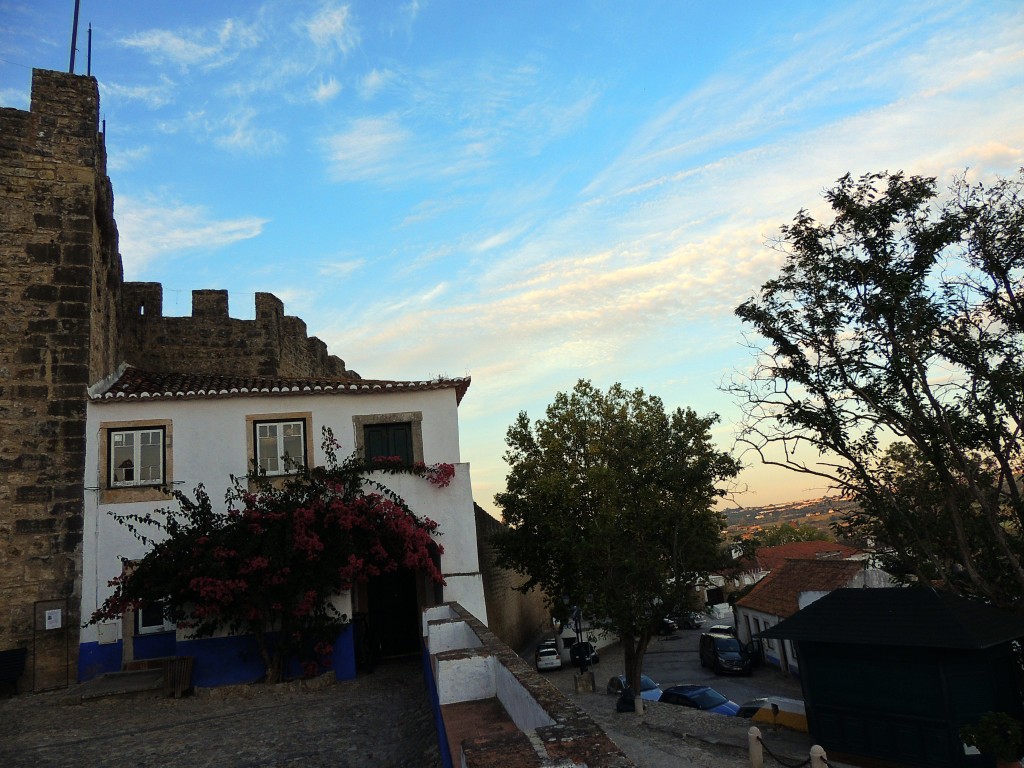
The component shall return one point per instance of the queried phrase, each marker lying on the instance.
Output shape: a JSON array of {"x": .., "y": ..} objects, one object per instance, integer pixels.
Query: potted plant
[{"x": 998, "y": 735}]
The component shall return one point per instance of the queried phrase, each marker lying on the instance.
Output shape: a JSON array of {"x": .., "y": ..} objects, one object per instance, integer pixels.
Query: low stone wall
[{"x": 495, "y": 710}]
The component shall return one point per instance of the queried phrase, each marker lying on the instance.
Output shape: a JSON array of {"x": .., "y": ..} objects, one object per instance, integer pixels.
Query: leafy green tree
[
  {"x": 777, "y": 535},
  {"x": 901, "y": 320},
  {"x": 270, "y": 565},
  {"x": 609, "y": 503}
]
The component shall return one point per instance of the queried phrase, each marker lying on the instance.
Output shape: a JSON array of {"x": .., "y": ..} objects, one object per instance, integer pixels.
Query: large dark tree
[
  {"x": 890, "y": 363},
  {"x": 609, "y": 502}
]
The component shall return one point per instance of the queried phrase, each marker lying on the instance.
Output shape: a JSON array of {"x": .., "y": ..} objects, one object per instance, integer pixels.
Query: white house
[
  {"x": 147, "y": 431},
  {"x": 790, "y": 587}
]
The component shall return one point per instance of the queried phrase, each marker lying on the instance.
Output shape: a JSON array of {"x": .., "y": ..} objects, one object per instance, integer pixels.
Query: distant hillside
[{"x": 819, "y": 513}]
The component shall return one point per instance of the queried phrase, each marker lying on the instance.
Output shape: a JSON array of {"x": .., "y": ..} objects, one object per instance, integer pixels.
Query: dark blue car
[{"x": 699, "y": 697}]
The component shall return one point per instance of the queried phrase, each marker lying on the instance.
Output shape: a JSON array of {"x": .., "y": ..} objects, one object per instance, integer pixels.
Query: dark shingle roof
[
  {"x": 133, "y": 383},
  {"x": 918, "y": 617},
  {"x": 778, "y": 593}
]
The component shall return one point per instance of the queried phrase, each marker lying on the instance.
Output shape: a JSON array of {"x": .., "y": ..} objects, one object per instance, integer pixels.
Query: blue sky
[{"x": 528, "y": 193}]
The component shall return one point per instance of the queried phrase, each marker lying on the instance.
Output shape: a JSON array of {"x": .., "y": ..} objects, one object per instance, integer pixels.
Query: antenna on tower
[
  {"x": 88, "y": 57},
  {"x": 74, "y": 40}
]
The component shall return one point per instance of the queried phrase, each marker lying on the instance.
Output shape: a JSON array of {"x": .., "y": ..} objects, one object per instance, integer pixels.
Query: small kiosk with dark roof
[{"x": 892, "y": 674}]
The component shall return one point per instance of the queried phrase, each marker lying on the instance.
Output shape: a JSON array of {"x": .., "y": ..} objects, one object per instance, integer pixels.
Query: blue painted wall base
[{"x": 218, "y": 660}]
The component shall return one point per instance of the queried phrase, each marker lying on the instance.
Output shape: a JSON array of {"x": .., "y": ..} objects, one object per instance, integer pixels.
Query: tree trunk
[
  {"x": 633, "y": 649},
  {"x": 271, "y": 665}
]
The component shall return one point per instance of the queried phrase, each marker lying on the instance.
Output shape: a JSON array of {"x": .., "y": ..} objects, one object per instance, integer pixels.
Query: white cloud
[
  {"x": 153, "y": 96},
  {"x": 371, "y": 149},
  {"x": 205, "y": 48},
  {"x": 15, "y": 97},
  {"x": 125, "y": 159},
  {"x": 331, "y": 28},
  {"x": 163, "y": 45},
  {"x": 326, "y": 90},
  {"x": 498, "y": 239},
  {"x": 374, "y": 81},
  {"x": 240, "y": 132},
  {"x": 149, "y": 229},
  {"x": 341, "y": 269}
]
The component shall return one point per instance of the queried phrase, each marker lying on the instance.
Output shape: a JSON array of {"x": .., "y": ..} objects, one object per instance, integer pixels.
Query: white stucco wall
[{"x": 209, "y": 444}]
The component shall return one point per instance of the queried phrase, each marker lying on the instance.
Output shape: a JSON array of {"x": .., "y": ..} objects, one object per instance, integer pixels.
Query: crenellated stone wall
[{"x": 274, "y": 344}]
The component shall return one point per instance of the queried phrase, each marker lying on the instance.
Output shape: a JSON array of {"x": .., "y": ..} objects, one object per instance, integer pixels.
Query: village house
[
  {"x": 794, "y": 585},
  {"x": 147, "y": 432}
]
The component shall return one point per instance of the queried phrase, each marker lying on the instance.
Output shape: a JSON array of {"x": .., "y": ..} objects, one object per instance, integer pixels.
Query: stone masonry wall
[
  {"x": 61, "y": 274},
  {"x": 274, "y": 344},
  {"x": 514, "y": 617}
]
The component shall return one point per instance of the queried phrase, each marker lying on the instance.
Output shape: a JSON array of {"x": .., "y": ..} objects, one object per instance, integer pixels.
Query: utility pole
[{"x": 74, "y": 40}]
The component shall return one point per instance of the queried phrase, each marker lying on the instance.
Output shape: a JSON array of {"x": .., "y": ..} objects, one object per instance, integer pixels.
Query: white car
[{"x": 547, "y": 657}]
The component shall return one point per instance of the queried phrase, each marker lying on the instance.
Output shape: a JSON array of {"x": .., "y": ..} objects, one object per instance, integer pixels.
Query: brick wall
[{"x": 514, "y": 617}]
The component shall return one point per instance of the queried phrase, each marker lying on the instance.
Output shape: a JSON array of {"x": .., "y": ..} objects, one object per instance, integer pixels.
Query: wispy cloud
[
  {"x": 240, "y": 132},
  {"x": 205, "y": 48},
  {"x": 149, "y": 229},
  {"x": 332, "y": 29},
  {"x": 14, "y": 97},
  {"x": 123, "y": 159},
  {"x": 341, "y": 269},
  {"x": 153, "y": 96},
  {"x": 326, "y": 90},
  {"x": 374, "y": 81},
  {"x": 373, "y": 148}
]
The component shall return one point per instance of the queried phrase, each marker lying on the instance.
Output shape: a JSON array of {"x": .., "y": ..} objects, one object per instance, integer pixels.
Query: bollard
[
  {"x": 818, "y": 757},
  {"x": 755, "y": 747}
]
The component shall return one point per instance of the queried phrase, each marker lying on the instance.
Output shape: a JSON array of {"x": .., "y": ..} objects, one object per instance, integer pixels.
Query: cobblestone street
[{"x": 380, "y": 719}]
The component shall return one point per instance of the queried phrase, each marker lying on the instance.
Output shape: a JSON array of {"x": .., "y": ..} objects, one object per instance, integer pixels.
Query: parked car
[
  {"x": 722, "y": 629},
  {"x": 584, "y": 652},
  {"x": 667, "y": 626},
  {"x": 691, "y": 620},
  {"x": 649, "y": 690},
  {"x": 699, "y": 697},
  {"x": 724, "y": 654},
  {"x": 789, "y": 713},
  {"x": 547, "y": 657}
]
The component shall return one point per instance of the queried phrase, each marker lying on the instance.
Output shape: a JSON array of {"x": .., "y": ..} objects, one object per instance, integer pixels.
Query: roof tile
[
  {"x": 132, "y": 383},
  {"x": 778, "y": 593}
]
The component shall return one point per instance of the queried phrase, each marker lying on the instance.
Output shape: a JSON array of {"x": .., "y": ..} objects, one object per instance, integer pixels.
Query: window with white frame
[
  {"x": 150, "y": 619},
  {"x": 280, "y": 446},
  {"x": 136, "y": 457}
]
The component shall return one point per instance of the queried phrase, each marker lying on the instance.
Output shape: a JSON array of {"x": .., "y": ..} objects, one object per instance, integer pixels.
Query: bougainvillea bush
[{"x": 271, "y": 563}]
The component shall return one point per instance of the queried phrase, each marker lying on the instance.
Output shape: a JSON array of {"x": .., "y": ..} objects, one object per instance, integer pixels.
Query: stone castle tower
[{"x": 67, "y": 320}]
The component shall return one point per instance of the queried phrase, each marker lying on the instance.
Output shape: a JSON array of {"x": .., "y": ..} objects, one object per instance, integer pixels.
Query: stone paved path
[{"x": 381, "y": 719}]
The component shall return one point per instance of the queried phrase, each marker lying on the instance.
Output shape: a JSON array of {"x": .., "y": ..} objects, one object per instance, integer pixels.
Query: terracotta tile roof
[
  {"x": 778, "y": 592},
  {"x": 770, "y": 558},
  {"x": 132, "y": 383}
]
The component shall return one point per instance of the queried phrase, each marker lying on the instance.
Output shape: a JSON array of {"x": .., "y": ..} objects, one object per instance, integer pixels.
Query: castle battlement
[{"x": 211, "y": 341}]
